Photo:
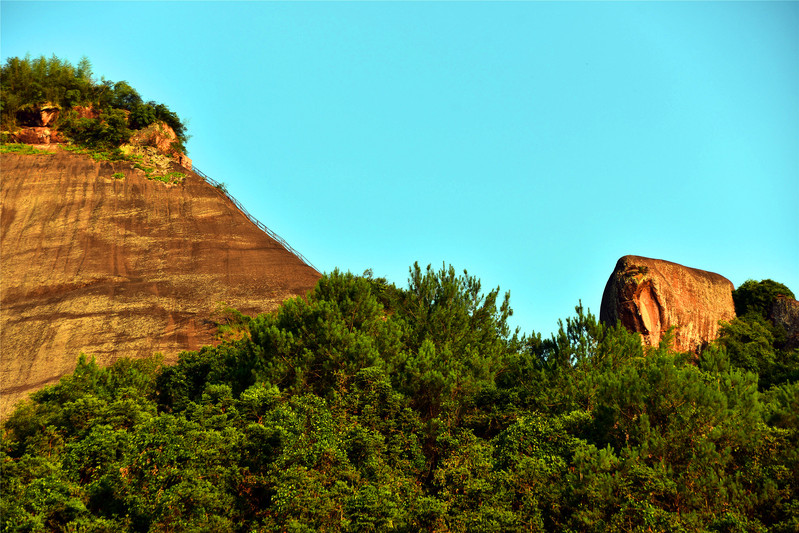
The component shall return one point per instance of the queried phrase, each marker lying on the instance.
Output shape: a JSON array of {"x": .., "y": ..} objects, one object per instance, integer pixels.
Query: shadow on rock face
[{"x": 649, "y": 296}]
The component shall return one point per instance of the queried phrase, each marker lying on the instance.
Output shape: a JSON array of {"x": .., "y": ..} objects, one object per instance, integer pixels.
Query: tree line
[
  {"x": 28, "y": 85},
  {"x": 369, "y": 407}
]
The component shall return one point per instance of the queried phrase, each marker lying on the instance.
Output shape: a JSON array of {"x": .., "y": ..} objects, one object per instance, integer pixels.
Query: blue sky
[{"x": 531, "y": 143}]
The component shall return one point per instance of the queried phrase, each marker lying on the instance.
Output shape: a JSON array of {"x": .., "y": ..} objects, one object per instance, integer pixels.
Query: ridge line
[{"x": 219, "y": 186}]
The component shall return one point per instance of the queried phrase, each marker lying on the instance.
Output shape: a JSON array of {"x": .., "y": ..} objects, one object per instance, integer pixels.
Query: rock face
[
  {"x": 161, "y": 137},
  {"x": 49, "y": 115},
  {"x": 86, "y": 112},
  {"x": 39, "y": 116},
  {"x": 651, "y": 295},
  {"x": 37, "y": 135},
  {"x": 36, "y": 130},
  {"x": 121, "y": 267},
  {"x": 785, "y": 313}
]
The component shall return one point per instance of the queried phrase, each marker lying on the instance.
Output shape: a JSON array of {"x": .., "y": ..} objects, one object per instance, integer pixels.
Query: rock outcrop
[
  {"x": 785, "y": 314},
  {"x": 38, "y": 128},
  {"x": 163, "y": 138},
  {"x": 39, "y": 115},
  {"x": 86, "y": 112},
  {"x": 121, "y": 267},
  {"x": 651, "y": 295},
  {"x": 38, "y": 135},
  {"x": 49, "y": 114}
]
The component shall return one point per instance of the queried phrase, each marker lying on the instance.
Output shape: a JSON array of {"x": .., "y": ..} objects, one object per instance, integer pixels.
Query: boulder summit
[{"x": 650, "y": 296}]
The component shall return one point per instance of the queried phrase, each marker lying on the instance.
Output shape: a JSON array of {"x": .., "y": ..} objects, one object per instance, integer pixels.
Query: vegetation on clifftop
[
  {"x": 753, "y": 342},
  {"x": 368, "y": 407},
  {"x": 29, "y": 86}
]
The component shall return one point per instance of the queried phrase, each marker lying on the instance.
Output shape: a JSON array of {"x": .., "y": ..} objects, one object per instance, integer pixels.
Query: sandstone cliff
[
  {"x": 121, "y": 267},
  {"x": 651, "y": 295}
]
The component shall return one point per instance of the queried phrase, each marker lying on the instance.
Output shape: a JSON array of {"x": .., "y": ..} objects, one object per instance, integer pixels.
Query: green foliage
[
  {"x": 98, "y": 154},
  {"x": 27, "y": 85},
  {"x": 151, "y": 174},
  {"x": 750, "y": 343},
  {"x": 340, "y": 328},
  {"x": 25, "y": 149},
  {"x": 367, "y": 407},
  {"x": 107, "y": 132},
  {"x": 123, "y": 96},
  {"x": 169, "y": 177},
  {"x": 232, "y": 324},
  {"x": 753, "y": 342},
  {"x": 758, "y": 296},
  {"x": 142, "y": 115},
  {"x": 457, "y": 339}
]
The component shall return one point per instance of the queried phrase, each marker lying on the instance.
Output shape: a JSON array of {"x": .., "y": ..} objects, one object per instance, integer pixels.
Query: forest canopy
[
  {"x": 370, "y": 407},
  {"x": 29, "y": 85}
]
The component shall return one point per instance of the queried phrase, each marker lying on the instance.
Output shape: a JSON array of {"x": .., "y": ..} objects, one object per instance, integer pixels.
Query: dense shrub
[
  {"x": 757, "y": 296},
  {"x": 752, "y": 341},
  {"x": 367, "y": 407},
  {"x": 27, "y": 85}
]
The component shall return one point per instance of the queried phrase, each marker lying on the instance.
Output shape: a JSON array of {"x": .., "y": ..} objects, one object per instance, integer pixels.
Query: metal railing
[{"x": 221, "y": 188}]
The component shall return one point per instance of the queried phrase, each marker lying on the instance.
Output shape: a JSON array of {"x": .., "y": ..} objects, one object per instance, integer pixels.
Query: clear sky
[{"x": 531, "y": 143}]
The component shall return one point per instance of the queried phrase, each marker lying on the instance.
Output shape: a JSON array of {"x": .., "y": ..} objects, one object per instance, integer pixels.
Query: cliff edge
[{"x": 96, "y": 258}]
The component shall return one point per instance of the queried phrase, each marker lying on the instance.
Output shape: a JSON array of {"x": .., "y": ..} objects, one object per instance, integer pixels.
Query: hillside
[
  {"x": 362, "y": 406},
  {"x": 371, "y": 407},
  {"x": 122, "y": 267}
]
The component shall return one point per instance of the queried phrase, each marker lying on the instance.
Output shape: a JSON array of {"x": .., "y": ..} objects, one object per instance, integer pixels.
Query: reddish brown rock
[
  {"x": 32, "y": 136},
  {"x": 38, "y": 116},
  {"x": 48, "y": 114},
  {"x": 183, "y": 160},
  {"x": 38, "y": 135},
  {"x": 162, "y": 137},
  {"x": 121, "y": 267},
  {"x": 157, "y": 135},
  {"x": 651, "y": 295},
  {"x": 86, "y": 112}
]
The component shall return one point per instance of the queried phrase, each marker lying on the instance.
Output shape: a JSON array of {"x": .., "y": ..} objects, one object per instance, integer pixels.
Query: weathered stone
[
  {"x": 162, "y": 137},
  {"x": 183, "y": 160},
  {"x": 86, "y": 112},
  {"x": 157, "y": 135},
  {"x": 121, "y": 267},
  {"x": 38, "y": 116},
  {"x": 785, "y": 313},
  {"x": 29, "y": 136},
  {"x": 38, "y": 135},
  {"x": 650, "y": 296},
  {"x": 56, "y": 137},
  {"x": 49, "y": 114}
]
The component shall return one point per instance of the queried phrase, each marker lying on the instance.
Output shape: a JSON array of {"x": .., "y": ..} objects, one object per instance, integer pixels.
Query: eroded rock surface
[
  {"x": 121, "y": 267},
  {"x": 86, "y": 112},
  {"x": 39, "y": 115},
  {"x": 38, "y": 135},
  {"x": 785, "y": 313},
  {"x": 651, "y": 295},
  {"x": 163, "y": 138}
]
